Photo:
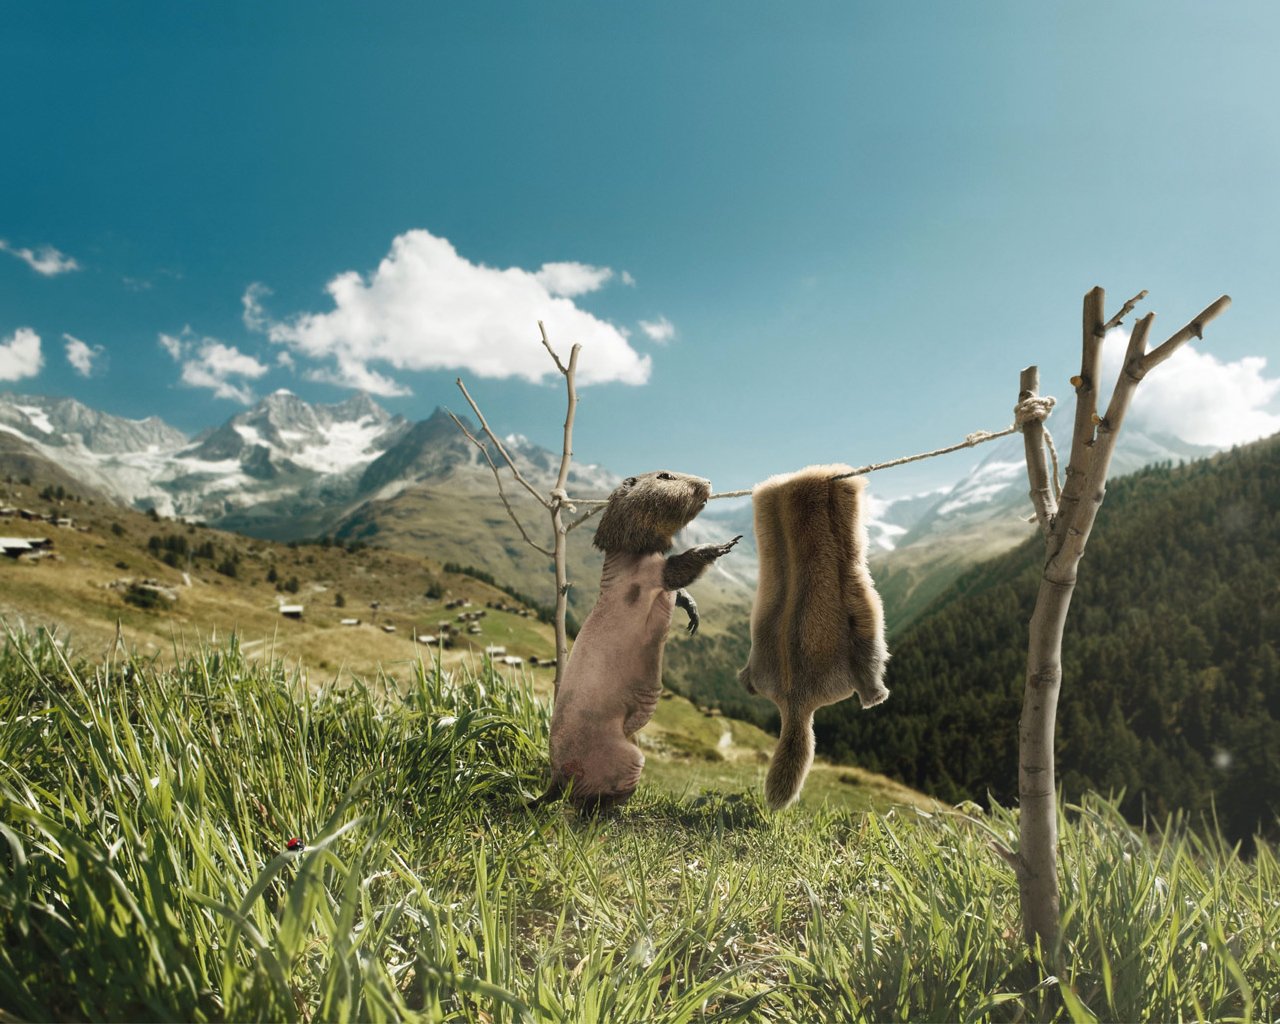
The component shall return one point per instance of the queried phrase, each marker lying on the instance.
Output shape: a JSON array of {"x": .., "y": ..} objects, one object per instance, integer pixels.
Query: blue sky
[{"x": 846, "y": 226}]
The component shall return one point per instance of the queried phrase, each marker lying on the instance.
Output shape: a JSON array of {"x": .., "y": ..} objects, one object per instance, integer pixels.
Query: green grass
[{"x": 144, "y": 875}]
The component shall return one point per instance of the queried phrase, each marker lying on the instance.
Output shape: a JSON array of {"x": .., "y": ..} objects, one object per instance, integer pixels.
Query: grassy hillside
[
  {"x": 1171, "y": 670},
  {"x": 72, "y": 594},
  {"x": 222, "y": 582},
  {"x": 145, "y": 873}
]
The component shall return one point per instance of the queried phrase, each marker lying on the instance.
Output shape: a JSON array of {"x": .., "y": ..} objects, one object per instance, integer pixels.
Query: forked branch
[
  {"x": 555, "y": 502},
  {"x": 1092, "y": 445}
]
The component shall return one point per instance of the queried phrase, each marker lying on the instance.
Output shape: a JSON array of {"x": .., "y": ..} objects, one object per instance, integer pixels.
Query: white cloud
[
  {"x": 1197, "y": 397},
  {"x": 174, "y": 346},
  {"x": 661, "y": 330},
  {"x": 20, "y": 355},
  {"x": 426, "y": 307},
  {"x": 572, "y": 279},
  {"x": 255, "y": 317},
  {"x": 208, "y": 363},
  {"x": 46, "y": 260},
  {"x": 81, "y": 355},
  {"x": 627, "y": 279}
]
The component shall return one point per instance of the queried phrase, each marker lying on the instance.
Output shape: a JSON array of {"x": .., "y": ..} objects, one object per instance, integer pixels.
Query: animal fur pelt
[{"x": 817, "y": 625}]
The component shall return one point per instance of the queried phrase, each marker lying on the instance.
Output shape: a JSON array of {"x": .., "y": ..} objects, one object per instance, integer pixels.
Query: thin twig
[
  {"x": 501, "y": 493},
  {"x": 585, "y": 516},
  {"x": 1125, "y": 310},
  {"x": 547, "y": 345},
  {"x": 498, "y": 444},
  {"x": 1009, "y": 857}
]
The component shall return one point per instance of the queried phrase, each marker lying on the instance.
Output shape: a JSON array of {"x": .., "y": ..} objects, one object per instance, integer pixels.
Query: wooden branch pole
[
  {"x": 1066, "y": 534},
  {"x": 555, "y": 503},
  {"x": 559, "y": 502}
]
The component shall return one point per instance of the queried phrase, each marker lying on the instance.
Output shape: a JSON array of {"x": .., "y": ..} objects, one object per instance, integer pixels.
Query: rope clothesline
[{"x": 1037, "y": 407}]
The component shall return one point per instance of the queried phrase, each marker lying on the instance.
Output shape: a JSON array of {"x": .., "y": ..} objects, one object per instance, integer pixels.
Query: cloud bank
[
  {"x": 208, "y": 363},
  {"x": 46, "y": 260},
  {"x": 1199, "y": 398},
  {"x": 20, "y": 355},
  {"x": 81, "y": 355},
  {"x": 426, "y": 307}
]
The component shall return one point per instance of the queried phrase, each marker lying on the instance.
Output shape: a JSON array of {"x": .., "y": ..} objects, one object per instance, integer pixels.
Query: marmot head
[{"x": 645, "y": 512}]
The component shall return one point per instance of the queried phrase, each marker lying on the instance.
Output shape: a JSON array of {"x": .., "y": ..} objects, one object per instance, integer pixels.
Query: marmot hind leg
[{"x": 685, "y": 600}]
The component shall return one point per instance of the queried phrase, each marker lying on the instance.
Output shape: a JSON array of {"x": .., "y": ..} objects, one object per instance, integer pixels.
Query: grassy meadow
[{"x": 146, "y": 811}]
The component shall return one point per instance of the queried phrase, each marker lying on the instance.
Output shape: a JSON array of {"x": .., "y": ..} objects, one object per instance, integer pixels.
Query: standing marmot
[{"x": 613, "y": 679}]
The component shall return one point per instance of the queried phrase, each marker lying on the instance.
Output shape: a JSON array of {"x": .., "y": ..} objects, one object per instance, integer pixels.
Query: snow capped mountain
[
  {"x": 66, "y": 424},
  {"x": 282, "y": 433},
  {"x": 283, "y": 448},
  {"x": 284, "y": 468}
]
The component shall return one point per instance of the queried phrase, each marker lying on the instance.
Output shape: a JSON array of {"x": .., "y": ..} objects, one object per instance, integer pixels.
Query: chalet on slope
[
  {"x": 291, "y": 611},
  {"x": 18, "y": 547}
]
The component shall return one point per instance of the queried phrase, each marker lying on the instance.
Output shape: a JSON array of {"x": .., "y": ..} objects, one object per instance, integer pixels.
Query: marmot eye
[
  {"x": 665, "y": 476},
  {"x": 629, "y": 482}
]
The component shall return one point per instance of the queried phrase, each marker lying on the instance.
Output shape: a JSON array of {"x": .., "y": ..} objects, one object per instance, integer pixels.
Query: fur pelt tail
[{"x": 792, "y": 758}]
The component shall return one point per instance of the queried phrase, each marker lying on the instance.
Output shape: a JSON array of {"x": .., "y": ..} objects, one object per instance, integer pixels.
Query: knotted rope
[{"x": 1036, "y": 408}]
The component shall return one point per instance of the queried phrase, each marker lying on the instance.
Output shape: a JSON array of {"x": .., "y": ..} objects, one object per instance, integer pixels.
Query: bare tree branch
[
  {"x": 585, "y": 516},
  {"x": 498, "y": 477},
  {"x": 560, "y": 501},
  {"x": 1125, "y": 310},
  {"x": 498, "y": 444},
  {"x": 1086, "y": 385},
  {"x": 547, "y": 345},
  {"x": 1009, "y": 857},
  {"x": 556, "y": 503},
  {"x": 1195, "y": 329}
]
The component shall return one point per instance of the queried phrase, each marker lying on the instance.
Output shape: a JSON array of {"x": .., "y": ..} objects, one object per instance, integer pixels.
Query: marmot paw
[{"x": 724, "y": 549}]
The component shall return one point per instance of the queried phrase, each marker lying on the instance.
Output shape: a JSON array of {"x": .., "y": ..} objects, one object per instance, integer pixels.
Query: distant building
[
  {"x": 16, "y": 547},
  {"x": 495, "y": 651},
  {"x": 291, "y": 611},
  {"x": 349, "y": 622},
  {"x": 512, "y": 660},
  {"x": 388, "y": 628},
  {"x": 428, "y": 639}
]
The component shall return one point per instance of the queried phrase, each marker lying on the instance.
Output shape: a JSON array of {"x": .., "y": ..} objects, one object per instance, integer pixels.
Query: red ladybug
[{"x": 295, "y": 844}]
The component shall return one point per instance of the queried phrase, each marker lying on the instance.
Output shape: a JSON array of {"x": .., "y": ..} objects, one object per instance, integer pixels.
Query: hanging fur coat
[{"x": 817, "y": 625}]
